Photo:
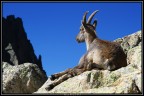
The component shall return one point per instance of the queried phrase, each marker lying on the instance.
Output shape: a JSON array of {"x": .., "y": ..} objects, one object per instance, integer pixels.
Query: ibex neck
[{"x": 88, "y": 41}]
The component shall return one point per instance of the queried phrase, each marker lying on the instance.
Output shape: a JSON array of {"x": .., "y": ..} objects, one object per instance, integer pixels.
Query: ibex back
[{"x": 101, "y": 54}]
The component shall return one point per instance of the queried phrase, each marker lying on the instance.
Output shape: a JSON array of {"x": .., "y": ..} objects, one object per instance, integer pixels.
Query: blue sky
[{"x": 52, "y": 27}]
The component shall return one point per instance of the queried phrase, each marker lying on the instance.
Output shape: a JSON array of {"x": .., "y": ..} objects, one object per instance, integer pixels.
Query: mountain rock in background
[
  {"x": 22, "y": 70},
  {"x": 124, "y": 80},
  {"x": 15, "y": 43}
]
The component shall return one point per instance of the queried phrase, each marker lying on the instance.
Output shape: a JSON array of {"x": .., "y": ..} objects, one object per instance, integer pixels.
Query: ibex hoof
[
  {"x": 49, "y": 87},
  {"x": 52, "y": 77}
]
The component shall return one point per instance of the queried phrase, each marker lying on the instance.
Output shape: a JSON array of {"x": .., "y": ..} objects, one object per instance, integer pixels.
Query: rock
[
  {"x": 130, "y": 41},
  {"x": 96, "y": 81},
  {"x": 11, "y": 54},
  {"x": 13, "y": 33},
  {"x": 134, "y": 56},
  {"x": 24, "y": 78},
  {"x": 22, "y": 70},
  {"x": 124, "y": 80}
]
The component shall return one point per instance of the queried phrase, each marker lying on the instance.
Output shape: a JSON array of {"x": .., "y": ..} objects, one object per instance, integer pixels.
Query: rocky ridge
[
  {"x": 16, "y": 48},
  {"x": 22, "y": 71},
  {"x": 124, "y": 80}
]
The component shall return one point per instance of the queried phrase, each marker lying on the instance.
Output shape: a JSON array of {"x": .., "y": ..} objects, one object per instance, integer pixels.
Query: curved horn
[
  {"x": 84, "y": 17},
  {"x": 91, "y": 16}
]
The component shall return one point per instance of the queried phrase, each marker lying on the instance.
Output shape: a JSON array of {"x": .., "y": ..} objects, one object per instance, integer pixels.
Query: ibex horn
[
  {"x": 91, "y": 16},
  {"x": 84, "y": 17}
]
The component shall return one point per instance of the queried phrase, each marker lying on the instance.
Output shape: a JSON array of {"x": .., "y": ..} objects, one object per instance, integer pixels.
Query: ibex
[{"x": 101, "y": 54}]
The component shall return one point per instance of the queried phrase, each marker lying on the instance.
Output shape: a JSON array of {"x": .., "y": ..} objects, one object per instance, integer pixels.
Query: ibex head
[{"x": 87, "y": 28}]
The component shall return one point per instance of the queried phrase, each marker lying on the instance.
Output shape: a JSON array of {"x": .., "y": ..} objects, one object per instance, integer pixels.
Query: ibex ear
[{"x": 95, "y": 23}]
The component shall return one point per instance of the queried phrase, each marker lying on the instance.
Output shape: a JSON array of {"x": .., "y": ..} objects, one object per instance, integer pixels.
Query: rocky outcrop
[
  {"x": 124, "y": 80},
  {"x": 130, "y": 41},
  {"x": 16, "y": 48},
  {"x": 24, "y": 78},
  {"x": 22, "y": 71}
]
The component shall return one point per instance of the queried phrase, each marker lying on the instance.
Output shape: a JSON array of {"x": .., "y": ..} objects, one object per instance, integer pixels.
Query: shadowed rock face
[
  {"x": 16, "y": 48},
  {"x": 22, "y": 70}
]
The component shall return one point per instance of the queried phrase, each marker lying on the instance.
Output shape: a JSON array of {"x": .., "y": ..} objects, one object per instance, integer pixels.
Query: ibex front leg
[
  {"x": 55, "y": 76},
  {"x": 63, "y": 78},
  {"x": 71, "y": 73},
  {"x": 80, "y": 66}
]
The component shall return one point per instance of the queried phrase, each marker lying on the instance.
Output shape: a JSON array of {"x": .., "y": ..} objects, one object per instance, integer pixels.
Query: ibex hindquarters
[
  {"x": 100, "y": 54},
  {"x": 106, "y": 55}
]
